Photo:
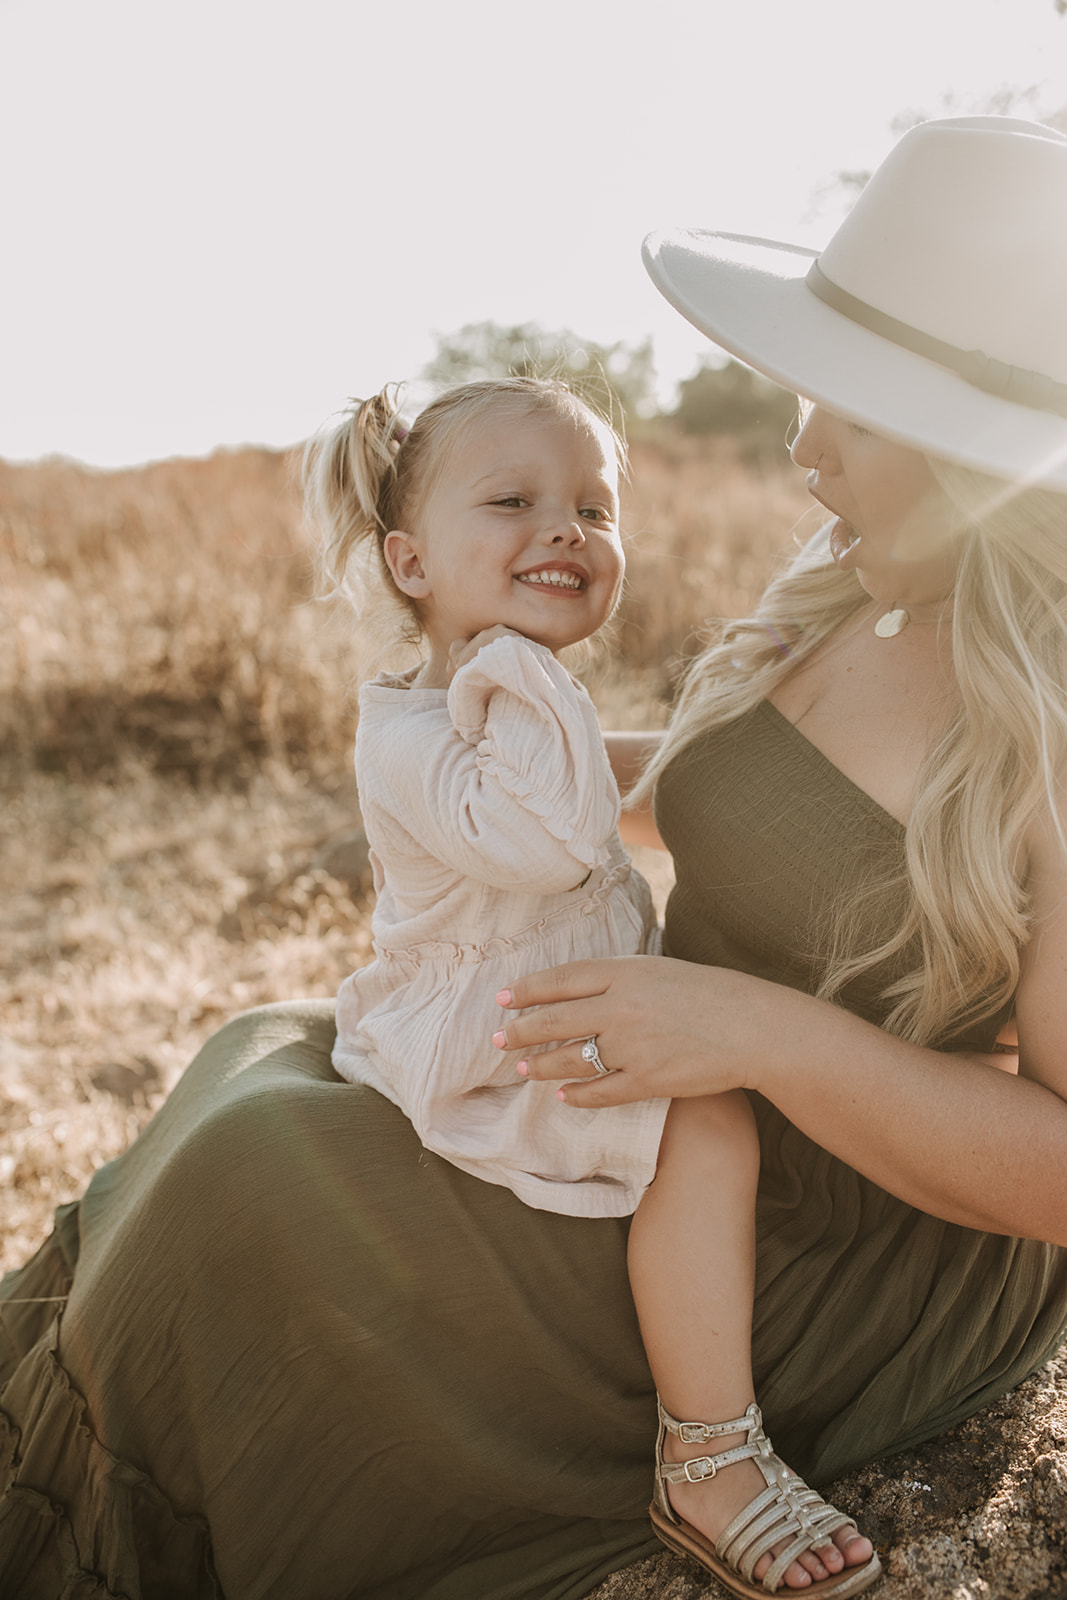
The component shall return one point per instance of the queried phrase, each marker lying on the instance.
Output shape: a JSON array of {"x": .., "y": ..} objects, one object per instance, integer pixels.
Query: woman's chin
[{"x": 843, "y": 542}]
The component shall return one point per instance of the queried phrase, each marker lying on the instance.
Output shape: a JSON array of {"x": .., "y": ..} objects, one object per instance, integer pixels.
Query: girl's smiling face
[
  {"x": 519, "y": 528},
  {"x": 895, "y": 527}
]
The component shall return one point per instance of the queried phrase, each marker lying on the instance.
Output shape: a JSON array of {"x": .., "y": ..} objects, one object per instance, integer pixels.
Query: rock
[
  {"x": 346, "y": 857},
  {"x": 134, "y": 1082},
  {"x": 979, "y": 1513},
  {"x": 287, "y": 900}
]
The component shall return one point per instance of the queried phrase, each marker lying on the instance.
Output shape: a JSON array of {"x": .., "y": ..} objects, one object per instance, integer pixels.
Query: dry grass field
[{"x": 175, "y": 749}]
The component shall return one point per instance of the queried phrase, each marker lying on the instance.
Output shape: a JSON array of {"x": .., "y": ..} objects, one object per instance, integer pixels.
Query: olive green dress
[{"x": 303, "y": 1359}]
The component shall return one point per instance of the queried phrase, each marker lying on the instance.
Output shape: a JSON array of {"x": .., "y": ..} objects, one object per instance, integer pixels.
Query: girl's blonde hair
[
  {"x": 997, "y": 763},
  {"x": 370, "y": 473}
]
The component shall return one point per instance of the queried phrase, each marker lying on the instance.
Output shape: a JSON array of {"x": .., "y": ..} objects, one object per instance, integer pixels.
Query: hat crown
[
  {"x": 962, "y": 234},
  {"x": 936, "y": 316}
]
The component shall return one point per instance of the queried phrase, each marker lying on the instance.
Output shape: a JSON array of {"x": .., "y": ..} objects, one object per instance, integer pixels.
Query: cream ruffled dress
[{"x": 492, "y": 815}]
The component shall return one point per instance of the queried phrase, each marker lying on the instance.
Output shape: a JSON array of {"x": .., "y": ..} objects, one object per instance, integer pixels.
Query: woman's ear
[{"x": 403, "y": 560}]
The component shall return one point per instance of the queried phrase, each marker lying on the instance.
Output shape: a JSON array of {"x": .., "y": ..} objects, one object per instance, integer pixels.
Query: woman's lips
[{"x": 843, "y": 542}]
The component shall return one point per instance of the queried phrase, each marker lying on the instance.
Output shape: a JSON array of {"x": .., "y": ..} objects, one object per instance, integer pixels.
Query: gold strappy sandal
[{"x": 787, "y": 1509}]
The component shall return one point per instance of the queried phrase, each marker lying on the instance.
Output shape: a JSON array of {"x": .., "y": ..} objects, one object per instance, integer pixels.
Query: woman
[{"x": 302, "y": 1357}]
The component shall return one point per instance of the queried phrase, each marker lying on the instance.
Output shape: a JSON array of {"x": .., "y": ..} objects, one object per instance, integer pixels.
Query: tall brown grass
[
  {"x": 164, "y": 614},
  {"x": 176, "y": 718}
]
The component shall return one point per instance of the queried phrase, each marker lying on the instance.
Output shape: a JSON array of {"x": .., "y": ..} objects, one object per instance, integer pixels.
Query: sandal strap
[
  {"x": 787, "y": 1509},
  {"x": 701, "y": 1432},
  {"x": 698, "y": 1469}
]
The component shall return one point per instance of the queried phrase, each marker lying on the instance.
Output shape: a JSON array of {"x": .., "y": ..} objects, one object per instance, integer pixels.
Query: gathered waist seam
[{"x": 423, "y": 950}]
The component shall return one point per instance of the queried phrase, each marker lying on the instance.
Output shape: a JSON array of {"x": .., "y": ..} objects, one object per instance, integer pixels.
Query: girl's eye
[
  {"x": 594, "y": 514},
  {"x": 510, "y": 500}
]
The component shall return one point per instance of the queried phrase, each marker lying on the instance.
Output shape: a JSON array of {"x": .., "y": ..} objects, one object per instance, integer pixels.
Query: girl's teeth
[{"x": 561, "y": 580}]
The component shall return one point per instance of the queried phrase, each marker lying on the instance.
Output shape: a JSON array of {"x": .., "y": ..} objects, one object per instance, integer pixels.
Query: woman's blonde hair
[
  {"x": 996, "y": 764},
  {"x": 369, "y": 473}
]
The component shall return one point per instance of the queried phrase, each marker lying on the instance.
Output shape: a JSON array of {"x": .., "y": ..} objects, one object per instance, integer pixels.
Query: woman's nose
[{"x": 812, "y": 443}]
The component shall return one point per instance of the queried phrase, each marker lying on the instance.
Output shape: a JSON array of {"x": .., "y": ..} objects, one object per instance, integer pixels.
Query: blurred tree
[
  {"x": 614, "y": 378},
  {"x": 731, "y": 398},
  {"x": 841, "y": 190}
]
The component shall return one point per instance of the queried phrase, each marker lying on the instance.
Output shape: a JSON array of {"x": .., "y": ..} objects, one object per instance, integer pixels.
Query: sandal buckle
[
  {"x": 695, "y": 1432},
  {"x": 700, "y": 1469}
]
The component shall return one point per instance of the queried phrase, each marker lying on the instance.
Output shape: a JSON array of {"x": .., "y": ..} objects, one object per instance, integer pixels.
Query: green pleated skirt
[{"x": 304, "y": 1359}]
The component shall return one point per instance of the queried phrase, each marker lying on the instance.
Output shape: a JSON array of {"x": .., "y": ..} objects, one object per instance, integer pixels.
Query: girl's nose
[{"x": 567, "y": 530}]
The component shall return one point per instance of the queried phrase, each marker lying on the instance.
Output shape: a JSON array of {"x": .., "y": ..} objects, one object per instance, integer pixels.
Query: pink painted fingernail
[
  {"x": 500, "y": 1040},
  {"x": 561, "y": 1094},
  {"x": 522, "y": 1069},
  {"x": 504, "y": 997}
]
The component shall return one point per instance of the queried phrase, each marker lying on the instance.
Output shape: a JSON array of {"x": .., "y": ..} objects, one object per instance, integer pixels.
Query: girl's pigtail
[{"x": 349, "y": 477}]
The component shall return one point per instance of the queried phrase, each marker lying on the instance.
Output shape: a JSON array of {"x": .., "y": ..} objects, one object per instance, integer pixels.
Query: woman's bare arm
[{"x": 946, "y": 1132}]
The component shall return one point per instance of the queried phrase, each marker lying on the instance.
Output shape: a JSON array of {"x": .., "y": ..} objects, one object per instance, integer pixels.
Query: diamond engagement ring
[{"x": 591, "y": 1054}]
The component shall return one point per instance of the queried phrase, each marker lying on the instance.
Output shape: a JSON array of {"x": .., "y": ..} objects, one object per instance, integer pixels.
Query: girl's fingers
[{"x": 460, "y": 651}]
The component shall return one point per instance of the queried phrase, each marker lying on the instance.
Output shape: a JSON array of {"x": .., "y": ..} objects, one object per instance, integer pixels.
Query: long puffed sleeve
[{"x": 515, "y": 790}]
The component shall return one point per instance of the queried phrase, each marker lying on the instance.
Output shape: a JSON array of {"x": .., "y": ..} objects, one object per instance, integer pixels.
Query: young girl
[{"x": 492, "y": 814}]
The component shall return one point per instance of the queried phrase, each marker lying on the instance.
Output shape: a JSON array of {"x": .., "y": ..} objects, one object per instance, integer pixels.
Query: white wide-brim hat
[{"x": 936, "y": 315}]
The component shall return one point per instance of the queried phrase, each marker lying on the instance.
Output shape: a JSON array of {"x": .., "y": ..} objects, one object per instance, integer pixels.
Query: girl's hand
[
  {"x": 460, "y": 651},
  {"x": 666, "y": 1029}
]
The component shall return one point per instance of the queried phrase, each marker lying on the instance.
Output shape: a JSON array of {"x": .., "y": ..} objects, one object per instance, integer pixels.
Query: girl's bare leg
[{"x": 692, "y": 1270}]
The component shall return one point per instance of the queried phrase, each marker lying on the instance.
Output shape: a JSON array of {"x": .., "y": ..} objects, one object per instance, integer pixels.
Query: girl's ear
[{"x": 402, "y": 558}]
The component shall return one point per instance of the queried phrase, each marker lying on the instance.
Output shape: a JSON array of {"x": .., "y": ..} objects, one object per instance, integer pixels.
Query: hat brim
[{"x": 749, "y": 296}]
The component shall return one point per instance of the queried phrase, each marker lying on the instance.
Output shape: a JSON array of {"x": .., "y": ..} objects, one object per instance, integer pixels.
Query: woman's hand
[
  {"x": 944, "y": 1132},
  {"x": 666, "y": 1029}
]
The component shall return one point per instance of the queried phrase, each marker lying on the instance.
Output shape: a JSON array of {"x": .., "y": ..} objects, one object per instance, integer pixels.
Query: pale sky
[{"x": 222, "y": 218}]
